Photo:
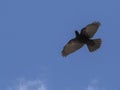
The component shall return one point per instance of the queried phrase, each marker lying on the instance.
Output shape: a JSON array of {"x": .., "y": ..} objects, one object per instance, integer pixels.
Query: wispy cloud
[
  {"x": 29, "y": 85},
  {"x": 93, "y": 85},
  {"x": 90, "y": 87}
]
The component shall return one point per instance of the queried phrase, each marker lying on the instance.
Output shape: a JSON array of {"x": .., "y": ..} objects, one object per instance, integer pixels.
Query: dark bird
[{"x": 82, "y": 38}]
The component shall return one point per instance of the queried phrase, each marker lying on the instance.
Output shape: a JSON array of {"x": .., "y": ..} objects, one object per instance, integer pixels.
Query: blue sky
[{"x": 32, "y": 36}]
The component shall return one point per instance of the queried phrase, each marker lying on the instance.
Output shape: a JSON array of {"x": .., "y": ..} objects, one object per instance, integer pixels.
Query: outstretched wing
[
  {"x": 71, "y": 47},
  {"x": 90, "y": 29}
]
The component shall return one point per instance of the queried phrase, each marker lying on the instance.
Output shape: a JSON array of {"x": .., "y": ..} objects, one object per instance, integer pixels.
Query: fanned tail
[{"x": 94, "y": 44}]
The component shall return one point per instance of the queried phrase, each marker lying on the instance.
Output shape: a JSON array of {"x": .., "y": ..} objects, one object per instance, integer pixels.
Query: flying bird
[{"x": 82, "y": 38}]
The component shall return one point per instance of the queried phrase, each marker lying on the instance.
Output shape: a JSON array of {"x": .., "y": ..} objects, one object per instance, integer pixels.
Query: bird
[{"x": 84, "y": 37}]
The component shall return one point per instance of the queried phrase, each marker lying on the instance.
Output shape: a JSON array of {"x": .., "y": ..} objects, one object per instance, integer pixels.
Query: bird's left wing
[{"x": 71, "y": 47}]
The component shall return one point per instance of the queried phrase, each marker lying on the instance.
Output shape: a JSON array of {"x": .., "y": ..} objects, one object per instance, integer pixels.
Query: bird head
[{"x": 76, "y": 33}]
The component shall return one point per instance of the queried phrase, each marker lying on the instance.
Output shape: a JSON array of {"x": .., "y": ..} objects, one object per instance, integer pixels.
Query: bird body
[{"x": 82, "y": 38}]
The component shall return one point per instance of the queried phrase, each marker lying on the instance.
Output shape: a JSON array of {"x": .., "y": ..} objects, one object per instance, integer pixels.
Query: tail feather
[{"x": 94, "y": 44}]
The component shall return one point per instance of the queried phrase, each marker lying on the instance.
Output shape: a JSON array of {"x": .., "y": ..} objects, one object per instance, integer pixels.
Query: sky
[{"x": 34, "y": 32}]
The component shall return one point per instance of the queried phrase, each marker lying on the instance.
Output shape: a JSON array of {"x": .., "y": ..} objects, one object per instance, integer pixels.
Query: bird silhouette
[{"x": 82, "y": 38}]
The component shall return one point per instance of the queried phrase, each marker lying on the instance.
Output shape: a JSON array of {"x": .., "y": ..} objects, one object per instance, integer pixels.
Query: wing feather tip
[
  {"x": 97, "y": 23},
  {"x": 64, "y": 54}
]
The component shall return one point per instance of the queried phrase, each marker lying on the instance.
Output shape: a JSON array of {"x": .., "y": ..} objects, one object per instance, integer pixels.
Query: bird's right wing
[
  {"x": 71, "y": 47},
  {"x": 90, "y": 29}
]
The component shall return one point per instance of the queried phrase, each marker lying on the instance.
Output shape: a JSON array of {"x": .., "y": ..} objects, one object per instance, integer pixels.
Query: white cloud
[
  {"x": 93, "y": 85},
  {"x": 29, "y": 85},
  {"x": 90, "y": 87}
]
